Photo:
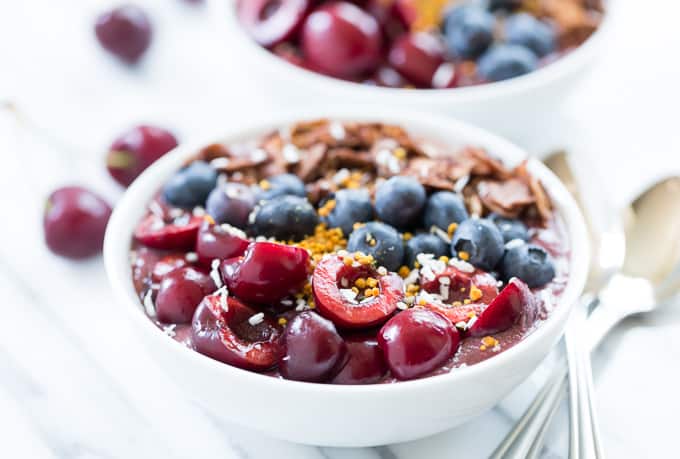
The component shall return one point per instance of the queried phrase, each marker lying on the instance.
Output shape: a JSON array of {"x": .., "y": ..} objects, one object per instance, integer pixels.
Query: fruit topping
[
  {"x": 352, "y": 293},
  {"x": 231, "y": 203},
  {"x": 176, "y": 234},
  {"x": 280, "y": 185},
  {"x": 379, "y": 240},
  {"x": 506, "y": 61},
  {"x": 285, "y": 218},
  {"x": 168, "y": 264},
  {"x": 270, "y": 22},
  {"x": 341, "y": 40},
  {"x": 469, "y": 30},
  {"x": 366, "y": 363},
  {"x": 227, "y": 330},
  {"x": 417, "y": 57},
  {"x": 74, "y": 222},
  {"x": 530, "y": 263},
  {"x": 510, "y": 228},
  {"x": 313, "y": 351},
  {"x": 417, "y": 341},
  {"x": 399, "y": 201},
  {"x": 444, "y": 208},
  {"x": 219, "y": 242},
  {"x": 135, "y": 150},
  {"x": 179, "y": 294},
  {"x": 267, "y": 272},
  {"x": 191, "y": 186},
  {"x": 424, "y": 243},
  {"x": 514, "y": 301},
  {"x": 526, "y": 30},
  {"x": 348, "y": 207},
  {"x": 452, "y": 285},
  {"x": 479, "y": 242},
  {"x": 125, "y": 32}
]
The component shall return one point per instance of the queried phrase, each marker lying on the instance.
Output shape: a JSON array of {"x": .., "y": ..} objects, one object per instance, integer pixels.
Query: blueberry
[
  {"x": 351, "y": 206},
  {"x": 399, "y": 201},
  {"x": 526, "y": 30},
  {"x": 380, "y": 240},
  {"x": 468, "y": 31},
  {"x": 506, "y": 61},
  {"x": 190, "y": 186},
  {"x": 425, "y": 243},
  {"x": 507, "y": 5},
  {"x": 510, "y": 228},
  {"x": 530, "y": 263},
  {"x": 283, "y": 184},
  {"x": 284, "y": 218},
  {"x": 444, "y": 208},
  {"x": 231, "y": 203},
  {"x": 481, "y": 240}
]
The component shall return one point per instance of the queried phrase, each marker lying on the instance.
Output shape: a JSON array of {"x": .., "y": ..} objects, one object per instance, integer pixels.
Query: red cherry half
[
  {"x": 223, "y": 329},
  {"x": 219, "y": 242},
  {"x": 271, "y": 22},
  {"x": 327, "y": 281},
  {"x": 167, "y": 264},
  {"x": 180, "y": 293},
  {"x": 366, "y": 364},
  {"x": 417, "y": 341},
  {"x": 417, "y": 57},
  {"x": 459, "y": 285},
  {"x": 514, "y": 301},
  {"x": 267, "y": 272},
  {"x": 180, "y": 234}
]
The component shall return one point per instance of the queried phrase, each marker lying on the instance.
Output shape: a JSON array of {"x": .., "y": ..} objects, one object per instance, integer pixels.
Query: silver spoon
[{"x": 649, "y": 279}]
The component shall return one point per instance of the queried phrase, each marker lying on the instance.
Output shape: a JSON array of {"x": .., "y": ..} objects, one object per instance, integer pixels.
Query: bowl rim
[
  {"x": 121, "y": 226},
  {"x": 568, "y": 64}
]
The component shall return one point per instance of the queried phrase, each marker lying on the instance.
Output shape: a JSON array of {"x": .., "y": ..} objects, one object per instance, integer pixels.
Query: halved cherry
[
  {"x": 267, "y": 272},
  {"x": 457, "y": 314},
  {"x": 366, "y": 364},
  {"x": 271, "y": 22},
  {"x": 417, "y": 341},
  {"x": 167, "y": 264},
  {"x": 177, "y": 234},
  {"x": 143, "y": 263},
  {"x": 514, "y": 302},
  {"x": 312, "y": 349},
  {"x": 223, "y": 329},
  {"x": 417, "y": 57},
  {"x": 332, "y": 276},
  {"x": 219, "y": 241},
  {"x": 180, "y": 293},
  {"x": 459, "y": 285}
]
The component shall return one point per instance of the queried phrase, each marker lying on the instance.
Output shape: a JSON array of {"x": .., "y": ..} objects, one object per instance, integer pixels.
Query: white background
[{"x": 74, "y": 381}]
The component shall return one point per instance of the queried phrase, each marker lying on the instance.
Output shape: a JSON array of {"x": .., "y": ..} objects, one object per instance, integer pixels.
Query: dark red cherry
[
  {"x": 366, "y": 363},
  {"x": 388, "y": 77},
  {"x": 267, "y": 272},
  {"x": 459, "y": 313},
  {"x": 74, "y": 222},
  {"x": 417, "y": 57},
  {"x": 331, "y": 277},
  {"x": 124, "y": 31},
  {"x": 167, "y": 264},
  {"x": 135, "y": 150},
  {"x": 180, "y": 293},
  {"x": 270, "y": 22},
  {"x": 219, "y": 242},
  {"x": 312, "y": 349},
  {"x": 227, "y": 330},
  {"x": 477, "y": 286},
  {"x": 178, "y": 234},
  {"x": 341, "y": 40},
  {"x": 511, "y": 305},
  {"x": 417, "y": 341}
]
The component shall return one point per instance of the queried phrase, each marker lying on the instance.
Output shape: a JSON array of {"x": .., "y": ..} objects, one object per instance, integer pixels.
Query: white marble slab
[{"x": 74, "y": 381}]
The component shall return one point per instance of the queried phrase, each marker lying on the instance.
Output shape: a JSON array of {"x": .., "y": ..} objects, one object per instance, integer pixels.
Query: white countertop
[{"x": 74, "y": 381}]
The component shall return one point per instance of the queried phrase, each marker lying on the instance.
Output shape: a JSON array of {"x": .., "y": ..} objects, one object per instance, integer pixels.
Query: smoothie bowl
[{"x": 348, "y": 280}]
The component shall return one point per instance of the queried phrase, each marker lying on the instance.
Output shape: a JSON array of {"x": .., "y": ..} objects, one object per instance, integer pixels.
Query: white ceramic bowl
[
  {"x": 344, "y": 415},
  {"x": 522, "y": 109}
]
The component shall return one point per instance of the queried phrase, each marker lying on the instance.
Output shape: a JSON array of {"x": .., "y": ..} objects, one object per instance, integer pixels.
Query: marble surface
[{"x": 74, "y": 380}]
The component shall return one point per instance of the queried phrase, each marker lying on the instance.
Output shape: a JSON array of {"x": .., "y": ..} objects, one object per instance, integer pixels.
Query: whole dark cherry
[
  {"x": 167, "y": 264},
  {"x": 180, "y": 292},
  {"x": 312, "y": 349},
  {"x": 341, "y": 40},
  {"x": 75, "y": 221},
  {"x": 417, "y": 57},
  {"x": 135, "y": 150},
  {"x": 366, "y": 363},
  {"x": 271, "y": 22},
  {"x": 267, "y": 272},
  {"x": 417, "y": 341},
  {"x": 175, "y": 234},
  {"x": 219, "y": 242},
  {"x": 227, "y": 330},
  {"x": 125, "y": 32}
]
